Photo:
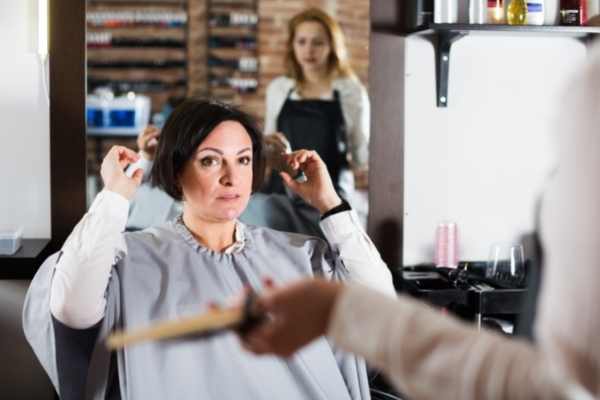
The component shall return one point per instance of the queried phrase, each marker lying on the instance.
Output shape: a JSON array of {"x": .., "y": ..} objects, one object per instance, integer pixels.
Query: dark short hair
[{"x": 185, "y": 129}]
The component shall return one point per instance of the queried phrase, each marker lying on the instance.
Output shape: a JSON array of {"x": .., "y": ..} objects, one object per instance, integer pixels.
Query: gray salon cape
[{"x": 167, "y": 274}]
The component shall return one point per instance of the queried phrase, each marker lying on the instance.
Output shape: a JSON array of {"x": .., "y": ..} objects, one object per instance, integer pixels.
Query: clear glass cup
[{"x": 506, "y": 261}]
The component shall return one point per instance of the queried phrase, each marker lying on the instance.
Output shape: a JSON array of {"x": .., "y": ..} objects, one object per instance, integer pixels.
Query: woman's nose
[{"x": 229, "y": 175}]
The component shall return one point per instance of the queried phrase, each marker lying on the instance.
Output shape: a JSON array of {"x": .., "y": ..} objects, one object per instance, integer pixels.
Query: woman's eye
[
  {"x": 245, "y": 160},
  {"x": 318, "y": 43},
  {"x": 300, "y": 42},
  {"x": 209, "y": 162}
]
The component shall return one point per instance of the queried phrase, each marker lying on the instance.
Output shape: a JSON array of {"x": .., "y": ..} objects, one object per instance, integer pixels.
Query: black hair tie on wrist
[{"x": 344, "y": 206}]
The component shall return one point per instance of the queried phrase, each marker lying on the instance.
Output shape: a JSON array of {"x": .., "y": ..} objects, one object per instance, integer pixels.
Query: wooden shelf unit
[
  {"x": 232, "y": 50},
  {"x": 140, "y": 46}
]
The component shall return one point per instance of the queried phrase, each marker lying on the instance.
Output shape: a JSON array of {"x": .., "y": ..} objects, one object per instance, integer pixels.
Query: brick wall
[{"x": 352, "y": 15}]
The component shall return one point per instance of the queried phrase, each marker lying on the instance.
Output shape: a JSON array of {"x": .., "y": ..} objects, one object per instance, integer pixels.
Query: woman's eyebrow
[
  {"x": 210, "y": 149},
  {"x": 221, "y": 152}
]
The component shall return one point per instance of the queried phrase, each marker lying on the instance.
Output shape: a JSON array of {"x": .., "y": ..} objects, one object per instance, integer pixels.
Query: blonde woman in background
[{"x": 320, "y": 103}]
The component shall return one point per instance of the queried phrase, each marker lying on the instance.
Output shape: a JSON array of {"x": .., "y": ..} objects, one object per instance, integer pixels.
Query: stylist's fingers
[
  {"x": 149, "y": 132},
  {"x": 302, "y": 158},
  {"x": 137, "y": 176},
  {"x": 289, "y": 182},
  {"x": 121, "y": 155},
  {"x": 282, "y": 141}
]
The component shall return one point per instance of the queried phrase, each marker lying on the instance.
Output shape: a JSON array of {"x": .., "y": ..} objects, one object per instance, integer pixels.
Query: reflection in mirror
[{"x": 144, "y": 57}]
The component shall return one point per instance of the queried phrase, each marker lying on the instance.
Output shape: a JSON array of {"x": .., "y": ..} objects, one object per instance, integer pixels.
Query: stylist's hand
[
  {"x": 296, "y": 315},
  {"x": 147, "y": 142},
  {"x": 279, "y": 142},
  {"x": 318, "y": 190},
  {"x": 113, "y": 175}
]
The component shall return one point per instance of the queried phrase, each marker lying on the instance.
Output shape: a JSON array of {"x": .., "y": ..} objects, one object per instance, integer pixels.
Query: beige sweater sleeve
[{"x": 428, "y": 355}]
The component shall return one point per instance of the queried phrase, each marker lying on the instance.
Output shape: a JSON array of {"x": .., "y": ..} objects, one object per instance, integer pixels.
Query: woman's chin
[{"x": 231, "y": 214}]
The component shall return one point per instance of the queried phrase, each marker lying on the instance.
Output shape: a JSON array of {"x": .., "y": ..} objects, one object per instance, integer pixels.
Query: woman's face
[
  {"x": 217, "y": 181},
  {"x": 311, "y": 46}
]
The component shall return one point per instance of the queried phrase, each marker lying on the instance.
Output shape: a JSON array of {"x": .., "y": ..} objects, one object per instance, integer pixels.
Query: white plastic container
[
  {"x": 552, "y": 12},
  {"x": 535, "y": 12},
  {"x": 477, "y": 11},
  {"x": 10, "y": 241},
  {"x": 593, "y": 8},
  {"x": 445, "y": 11}
]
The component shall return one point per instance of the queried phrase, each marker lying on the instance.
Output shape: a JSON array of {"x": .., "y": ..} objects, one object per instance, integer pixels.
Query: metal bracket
[{"x": 445, "y": 39}]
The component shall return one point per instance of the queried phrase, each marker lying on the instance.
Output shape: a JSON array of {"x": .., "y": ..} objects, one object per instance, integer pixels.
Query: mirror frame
[
  {"x": 68, "y": 148},
  {"x": 67, "y": 118}
]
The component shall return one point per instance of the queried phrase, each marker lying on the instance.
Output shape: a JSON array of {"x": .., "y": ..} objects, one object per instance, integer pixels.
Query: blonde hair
[{"x": 338, "y": 64}]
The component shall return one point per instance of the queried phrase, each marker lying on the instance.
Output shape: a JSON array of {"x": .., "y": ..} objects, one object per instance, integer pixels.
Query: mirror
[{"x": 143, "y": 57}]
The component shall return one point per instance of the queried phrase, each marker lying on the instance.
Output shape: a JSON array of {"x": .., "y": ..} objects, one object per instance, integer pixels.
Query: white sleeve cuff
[
  {"x": 113, "y": 206},
  {"x": 339, "y": 225}
]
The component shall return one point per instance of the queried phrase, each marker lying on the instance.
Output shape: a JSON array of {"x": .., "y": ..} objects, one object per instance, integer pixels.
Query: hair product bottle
[
  {"x": 495, "y": 12},
  {"x": 535, "y": 12},
  {"x": 516, "y": 13}
]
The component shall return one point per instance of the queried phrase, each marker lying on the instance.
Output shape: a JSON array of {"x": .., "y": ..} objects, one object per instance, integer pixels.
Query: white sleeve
[
  {"x": 357, "y": 114},
  {"x": 275, "y": 97},
  {"x": 81, "y": 275},
  {"x": 346, "y": 236},
  {"x": 429, "y": 355}
]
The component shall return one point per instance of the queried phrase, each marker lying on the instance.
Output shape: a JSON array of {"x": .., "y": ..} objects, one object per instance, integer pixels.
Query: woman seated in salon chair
[{"x": 208, "y": 157}]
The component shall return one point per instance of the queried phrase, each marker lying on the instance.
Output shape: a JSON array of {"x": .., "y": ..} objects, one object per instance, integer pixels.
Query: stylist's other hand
[
  {"x": 279, "y": 142},
  {"x": 296, "y": 315},
  {"x": 147, "y": 142},
  {"x": 113, "y": 175},
  {"x": 318, "y": 189},
  {"x": 275, "y": 144},
  {"x": 361, "y": 178}
]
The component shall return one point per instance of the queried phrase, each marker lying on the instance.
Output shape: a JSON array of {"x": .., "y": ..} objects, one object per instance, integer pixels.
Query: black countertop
[{"x": 26, "y": 261}]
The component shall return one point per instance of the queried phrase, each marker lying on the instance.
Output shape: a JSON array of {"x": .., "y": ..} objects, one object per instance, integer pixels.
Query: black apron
[{"x": 314, "y": 125}]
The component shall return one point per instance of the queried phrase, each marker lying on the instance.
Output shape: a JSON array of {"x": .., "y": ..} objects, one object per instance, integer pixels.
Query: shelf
[
  {"x": 232, "y": 62},
  {"x": 537, "y": 30},
  {"x": 446, "y": 34},
  {"x": 182, "y": 2},
  {"x": 25, "y": 262}
]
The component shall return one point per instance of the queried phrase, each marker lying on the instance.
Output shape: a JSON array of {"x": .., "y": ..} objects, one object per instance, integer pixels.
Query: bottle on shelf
[
  {"x": 516, "y": 13},
  {"x": 573, "y": 12},
  {"x": 535, "y": 12},
  {"x": 593, "y": 8},
  {"x": 552, "y": 12},
  {"x": 478, "y": 11},
  {"x": 495, "y": 12},
  {"x": 445, "y": 11}
]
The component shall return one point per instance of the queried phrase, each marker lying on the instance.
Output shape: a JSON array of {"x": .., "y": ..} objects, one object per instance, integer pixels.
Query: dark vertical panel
[
  {"x": 386, "y": 170},
  {"x": 67, "y": 116}
]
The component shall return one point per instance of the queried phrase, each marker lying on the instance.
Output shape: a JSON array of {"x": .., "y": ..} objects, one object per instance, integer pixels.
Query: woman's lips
[{"x": 228, "y": 197}]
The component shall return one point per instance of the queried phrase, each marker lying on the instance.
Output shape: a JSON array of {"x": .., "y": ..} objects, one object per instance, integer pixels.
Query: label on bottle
[
  {"x": 569, "y": 17},
  {"x": 534, "y": 7}
]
